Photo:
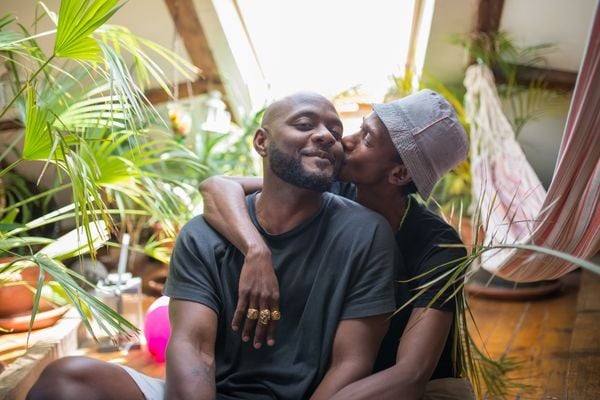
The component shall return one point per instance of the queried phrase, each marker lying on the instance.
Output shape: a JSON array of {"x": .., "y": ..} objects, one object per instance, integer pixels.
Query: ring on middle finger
[
  {"x": 252, "y": 313},
  {"x": 265, "y": 316}
]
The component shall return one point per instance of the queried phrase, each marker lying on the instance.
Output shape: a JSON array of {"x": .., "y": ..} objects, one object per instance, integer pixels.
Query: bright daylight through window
[{"x": 329, "y": 46}]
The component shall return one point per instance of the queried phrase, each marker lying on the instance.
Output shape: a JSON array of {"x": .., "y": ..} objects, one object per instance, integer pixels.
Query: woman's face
[{"x": 369, "y": 153}]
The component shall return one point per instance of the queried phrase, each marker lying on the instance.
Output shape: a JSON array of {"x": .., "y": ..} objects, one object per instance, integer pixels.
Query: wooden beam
[
  {"x": 553, "y": 78},
  {"x": 10, "y": 124},
  {"x": 486, "y": 20},
  {"x": 190, "y": 30},
  {"x": 487, "y": 15},
  {"x": 158, "y": 95}
]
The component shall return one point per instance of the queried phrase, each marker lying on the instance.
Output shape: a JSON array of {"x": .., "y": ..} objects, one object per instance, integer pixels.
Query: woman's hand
[{"x": 258, "y": 290}]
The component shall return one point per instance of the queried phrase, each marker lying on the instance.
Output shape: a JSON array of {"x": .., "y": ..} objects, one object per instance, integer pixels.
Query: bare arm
[
  {"x": 419, "y": 352},
  {"x": 225, "y": 210},
  {"x": 355, "y": 348},
  {"x": 190, "y": 353}
]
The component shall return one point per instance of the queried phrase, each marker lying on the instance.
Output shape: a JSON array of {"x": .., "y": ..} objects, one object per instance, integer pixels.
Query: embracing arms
[
  {"x": 191, "y": 351},
  {"x": 419, "y": 351},
  {"x": 354, "y": 351},
  {"x": 225, "y": 209}
]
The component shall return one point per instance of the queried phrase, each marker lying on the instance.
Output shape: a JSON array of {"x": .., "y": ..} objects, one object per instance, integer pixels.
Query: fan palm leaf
[{"x": 78, "y": 19}]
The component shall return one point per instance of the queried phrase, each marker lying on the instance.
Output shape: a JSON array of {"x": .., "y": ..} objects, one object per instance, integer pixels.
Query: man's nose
[
  {"x": 348, "y": 143},
  {"x": 324, "y": 137}
]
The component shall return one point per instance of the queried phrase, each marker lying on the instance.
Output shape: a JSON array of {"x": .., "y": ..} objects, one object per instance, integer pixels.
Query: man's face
[
  {"x": 369, "y": 153},
  {"x": 305, "y": 146}
]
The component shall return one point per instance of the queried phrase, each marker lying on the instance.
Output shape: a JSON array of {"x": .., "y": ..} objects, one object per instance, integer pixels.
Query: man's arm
[
  {"x": 190, "y": 353},
  {"x": 419, "y": 351},
  {"x": 225, "y": 210},
  {"x": 355, "y": 348}
]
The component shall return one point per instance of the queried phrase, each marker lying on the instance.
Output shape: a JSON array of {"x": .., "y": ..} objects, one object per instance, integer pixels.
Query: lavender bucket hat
[{"x": 427, "y": 134}]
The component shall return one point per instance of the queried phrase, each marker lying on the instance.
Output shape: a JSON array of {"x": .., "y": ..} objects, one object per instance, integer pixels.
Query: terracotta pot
[
  {"x": 43, "y": 319},
  {"x": 17, "y": 299}
]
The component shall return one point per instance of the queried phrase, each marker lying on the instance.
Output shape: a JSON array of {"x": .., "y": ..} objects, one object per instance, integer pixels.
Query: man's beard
[{"x": 291, "y": 171}]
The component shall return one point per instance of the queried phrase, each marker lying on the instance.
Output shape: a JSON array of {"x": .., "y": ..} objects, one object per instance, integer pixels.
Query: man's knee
[{"x": 65, "y": 377}]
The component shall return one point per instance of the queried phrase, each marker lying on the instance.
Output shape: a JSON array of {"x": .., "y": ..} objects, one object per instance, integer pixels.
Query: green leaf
[
  {"x": 38, "y": 144},
  {"x": 77, "y": 20},
  {"x": 72, "y": 244}
]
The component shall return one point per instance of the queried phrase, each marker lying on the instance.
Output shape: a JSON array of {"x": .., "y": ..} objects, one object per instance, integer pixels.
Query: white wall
[
  {"x": 444, "y": 60},
  {"x": 149, "y": 19},
  {"x": 565, "y": 23}
]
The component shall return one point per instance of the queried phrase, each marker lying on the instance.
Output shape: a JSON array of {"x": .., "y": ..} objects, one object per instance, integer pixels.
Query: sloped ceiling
[{"x": 562, "y": 22}]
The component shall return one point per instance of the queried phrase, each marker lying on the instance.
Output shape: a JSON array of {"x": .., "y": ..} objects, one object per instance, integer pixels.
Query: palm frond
[{"x": 78, "y": 19}]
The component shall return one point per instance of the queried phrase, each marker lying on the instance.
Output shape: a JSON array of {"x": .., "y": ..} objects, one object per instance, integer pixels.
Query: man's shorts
[
  {"x": 152, "y": 388},
  {"x": 449, "y": 389},
  {"x": 437, "y": 389}
]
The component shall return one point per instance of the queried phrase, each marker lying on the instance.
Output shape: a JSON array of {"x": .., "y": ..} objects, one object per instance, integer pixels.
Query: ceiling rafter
[{"x": 189, "y": 29}]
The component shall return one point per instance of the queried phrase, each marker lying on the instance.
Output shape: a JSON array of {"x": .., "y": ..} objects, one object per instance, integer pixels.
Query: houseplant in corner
[{"x": 86, "y": 119}]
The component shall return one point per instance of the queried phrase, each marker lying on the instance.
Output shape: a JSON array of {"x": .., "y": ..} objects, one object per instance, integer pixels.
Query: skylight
[{"x": 329, "y": 46}]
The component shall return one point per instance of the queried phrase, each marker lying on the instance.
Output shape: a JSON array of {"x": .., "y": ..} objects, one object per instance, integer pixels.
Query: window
[{"x": 329, "y": 46}]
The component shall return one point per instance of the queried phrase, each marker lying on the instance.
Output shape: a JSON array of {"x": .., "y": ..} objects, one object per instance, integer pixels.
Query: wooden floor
[{"x": 557, "y": 339}]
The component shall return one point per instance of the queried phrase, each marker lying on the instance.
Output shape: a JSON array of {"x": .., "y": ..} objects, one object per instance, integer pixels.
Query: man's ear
[
  {"x": 260, "y": 142},
  {"x": 399, "y": 175}
]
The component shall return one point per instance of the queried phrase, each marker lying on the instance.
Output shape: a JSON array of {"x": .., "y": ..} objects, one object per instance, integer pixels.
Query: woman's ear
[
  {"x": 399, "y": 175},
  {"x": 260, "y": 142}
]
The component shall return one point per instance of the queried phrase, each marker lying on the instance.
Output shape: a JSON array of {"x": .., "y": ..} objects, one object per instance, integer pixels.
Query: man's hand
[
  {"x": 258, "y": 290},
  {"x": 225, "y": 210}
]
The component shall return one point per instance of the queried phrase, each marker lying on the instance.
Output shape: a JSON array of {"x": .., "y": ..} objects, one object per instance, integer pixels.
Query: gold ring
[
  {"x": 275, "y": 315},
  {"x": 264, "y": 317},
  {"x": 252, "y": 313}
]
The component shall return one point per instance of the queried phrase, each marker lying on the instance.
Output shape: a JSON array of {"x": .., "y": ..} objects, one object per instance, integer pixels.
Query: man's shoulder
[
  {"x": 427, "y": 225},
  {"x": 199, "y": 230}
]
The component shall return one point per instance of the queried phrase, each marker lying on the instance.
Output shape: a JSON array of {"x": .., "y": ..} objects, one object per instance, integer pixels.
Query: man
[
  {"x": 402, "y": 147},
  {"x": 338, "y": 285}
]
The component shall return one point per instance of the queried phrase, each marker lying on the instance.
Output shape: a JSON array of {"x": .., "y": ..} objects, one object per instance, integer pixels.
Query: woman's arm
[{"x": 225, "y": 210}]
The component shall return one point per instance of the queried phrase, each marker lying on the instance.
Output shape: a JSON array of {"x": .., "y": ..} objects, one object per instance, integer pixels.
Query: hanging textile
[{"x": 513, "y": 204}]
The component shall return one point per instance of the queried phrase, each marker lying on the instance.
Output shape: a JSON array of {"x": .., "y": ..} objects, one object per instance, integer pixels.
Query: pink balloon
[{"x": 157, "y": 328}]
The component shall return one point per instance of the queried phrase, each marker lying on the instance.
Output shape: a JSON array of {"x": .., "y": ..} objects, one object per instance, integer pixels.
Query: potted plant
[{"x": 85, "y": 119}]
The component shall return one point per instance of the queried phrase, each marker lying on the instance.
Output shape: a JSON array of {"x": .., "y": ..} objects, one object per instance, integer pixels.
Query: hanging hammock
[{"x": 513, "y": 204}]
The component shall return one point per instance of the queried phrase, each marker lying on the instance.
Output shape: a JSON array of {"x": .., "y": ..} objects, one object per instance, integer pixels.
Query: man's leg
[{"x": 84, "y": 378}]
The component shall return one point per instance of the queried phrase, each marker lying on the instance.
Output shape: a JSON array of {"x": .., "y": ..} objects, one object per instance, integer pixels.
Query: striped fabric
[{"x": 514, "y": 207}]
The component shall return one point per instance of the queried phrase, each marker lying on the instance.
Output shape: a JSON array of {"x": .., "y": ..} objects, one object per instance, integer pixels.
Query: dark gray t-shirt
[
  {"x": 423, "y": 259},
  {"x": 336, "y": 265}
]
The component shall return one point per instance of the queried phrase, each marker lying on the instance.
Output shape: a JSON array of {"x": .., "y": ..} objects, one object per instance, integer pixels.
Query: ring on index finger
[{"x": 252, "y": 314}]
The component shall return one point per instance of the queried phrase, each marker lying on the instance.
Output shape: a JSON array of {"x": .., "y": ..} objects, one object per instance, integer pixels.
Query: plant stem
[
  {"x": 37, "y": 196},
  {"x": 35, "y": 74},
  {"x": 11, "y": 166}
]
